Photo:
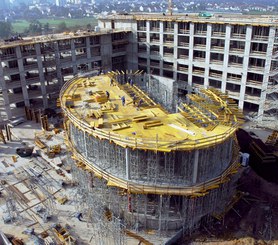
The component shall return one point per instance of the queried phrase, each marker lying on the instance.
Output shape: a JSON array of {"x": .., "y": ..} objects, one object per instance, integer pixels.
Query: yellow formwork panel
[{"x": 111, "y": 118}]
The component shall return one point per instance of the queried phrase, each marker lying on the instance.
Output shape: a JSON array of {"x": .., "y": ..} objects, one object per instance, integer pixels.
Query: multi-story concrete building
[
  {"x": 234, "y": 53},
  {"x": 33, "y": 70}
]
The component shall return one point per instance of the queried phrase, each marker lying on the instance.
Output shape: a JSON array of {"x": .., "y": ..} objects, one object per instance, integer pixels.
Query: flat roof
[
  {"x": 55, "y": 37},
  {"x": 260, "y": 20},
  {"x": 147, "y": 125}
]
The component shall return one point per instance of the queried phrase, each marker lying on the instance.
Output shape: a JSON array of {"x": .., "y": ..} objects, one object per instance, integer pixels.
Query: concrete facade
[
  {"x": 32, "y": 71},
  {"x": 236, "y": 54}
]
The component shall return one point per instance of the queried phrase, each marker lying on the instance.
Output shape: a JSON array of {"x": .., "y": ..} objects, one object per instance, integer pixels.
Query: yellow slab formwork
[{"x": 210, "y": 119}]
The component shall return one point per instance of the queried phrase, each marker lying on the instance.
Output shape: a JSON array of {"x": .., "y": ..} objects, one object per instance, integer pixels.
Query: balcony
[
  {"x": 169, "y": 30},
  {"x": 9, "y": 71},
  {"x": 155, "y": 53},
  {"x": 155, "y": 41},
  {"x": 142, "y": 28},
  {"x": 200, "y": 46},
  {"x": 199, "y": 59},
  {"x": 254, "y": 84},
  {"x": 169, "y": 55},
  {"x": 52, "y": 88},
  {"x": 33, "y": 66},
  {"x": 258, "y": 53},
  {"x": 7, "y": 56},
  {"x": 184, "y": 31},
  {"x": 142, "y": 50},
  {"x": 198, "y": 73},
  {"x": 200, "y": 33},
  {"x": 235, "y": 65},
  {"x": 215, "y": 75},
  {"x": 183, "y": 69},
  {"x": 169, "y": 42},
  {"x": 234, "y": 80},
  {"x": 216, "y": 62},
  {"x": 66, "y": 59},
  {"x": 155, "y": 29},
  {"x": 183, "y": 56},
  {"x": 155, "y": 64},
  {"x": 233, "y": 94},
  {"x": 218, "y": 34},
  {"x": 141, "y": 63},
  {"x": 260, "y": 38},
  {"x": 217, "y": 49},
  {"x": 252, "y": 98},
  {"x": 120, "y": 41},
  {"x": 236, "y": 51},
  {"x": 118, "y": 50},
  {"x": 183, "y": 45},
  {"x": 142, "y": 39},
  {"x": 256, "y": 69},
  {"x": 13, "y": 84},
  {"x": 28, "y": 53},
  {"x": 34, "y": 93},
  {"x": 238, "y": 36},
  {"x": 15, "y": 98},
  {"x": 64, "y": 47},
  {"x": 49, "y": 63},
  {"x": 80, "y": 45},
  {"x": 81, "y": 56},
  {"x": 33, "y": 79},
  {"x": 168, "y": 67}
]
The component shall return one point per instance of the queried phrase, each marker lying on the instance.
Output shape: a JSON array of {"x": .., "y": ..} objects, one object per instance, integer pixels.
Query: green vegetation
[
  {"x": 5, "y": 29},
  {"x": 55, "y": 24}
]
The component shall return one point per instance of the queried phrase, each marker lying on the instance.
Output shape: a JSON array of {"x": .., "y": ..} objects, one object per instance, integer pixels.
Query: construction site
[
  {"x": 133, "y": 134},
  {"x": 118, "y": 166}
]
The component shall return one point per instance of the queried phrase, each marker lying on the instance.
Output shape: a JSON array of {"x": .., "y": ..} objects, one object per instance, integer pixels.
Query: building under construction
[
  {"x": 146, "y": 166},
  {"x": 236, "y": 54}
]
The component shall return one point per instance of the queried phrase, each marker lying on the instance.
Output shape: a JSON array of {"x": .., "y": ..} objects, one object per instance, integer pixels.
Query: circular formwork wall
[{"x": 173, "y": 168}]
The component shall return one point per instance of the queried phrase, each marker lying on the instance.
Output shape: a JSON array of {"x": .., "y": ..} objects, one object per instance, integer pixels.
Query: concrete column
[
  {"x": 88, "y": 52},
  {"x": 226, "y": 58},
  {"x": 271, "y": 39},
  {"x": 58, "y": 64},
  {"x": 248, "y": 38},
  {"x": 196, "y": 165},
  {"x": 60, "y": 76},
  {"x": 22, "y": 76},
  {"x": 73, "y": 56},
  {"x": 5, "y": 96},
  {"x": 148, "y": 40},
  {"x": 106, "y": 51},
  {"x": 127, "y": 163},
  {"x": 161, "y": 47},
  {"x": 190, "y": 58},
  {"x": 208, "y": 44},
  {"x": 85, "y": 144},
  {"x": 41, "y": 74},
  {"x": 175, "y": 64}
]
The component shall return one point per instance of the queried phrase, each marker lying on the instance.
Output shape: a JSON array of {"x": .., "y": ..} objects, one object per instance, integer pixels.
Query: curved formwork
[{"x": 171, "y": 169}]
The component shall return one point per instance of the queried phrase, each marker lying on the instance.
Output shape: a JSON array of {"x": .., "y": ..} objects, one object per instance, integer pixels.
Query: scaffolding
[{"x": 184, "y": 171}]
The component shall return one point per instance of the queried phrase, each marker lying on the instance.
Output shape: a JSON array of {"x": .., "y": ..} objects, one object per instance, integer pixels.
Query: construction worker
[
  {"x": 123, "y": 100},
  {"x": 134, "y": 100},
  {"x": 79, "y": 216}
]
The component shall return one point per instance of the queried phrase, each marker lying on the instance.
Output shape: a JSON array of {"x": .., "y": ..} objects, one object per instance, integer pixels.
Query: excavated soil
[{"x": 253, "y": 220}]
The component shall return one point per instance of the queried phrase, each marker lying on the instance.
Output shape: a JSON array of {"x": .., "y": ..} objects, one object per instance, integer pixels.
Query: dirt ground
[{"x": 253, "y": 220}]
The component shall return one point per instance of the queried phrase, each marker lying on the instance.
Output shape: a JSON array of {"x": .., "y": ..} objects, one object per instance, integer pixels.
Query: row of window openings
[{"x": 199, "y": 27}]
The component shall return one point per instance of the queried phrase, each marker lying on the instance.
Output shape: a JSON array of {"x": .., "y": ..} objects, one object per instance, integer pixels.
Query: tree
[
  {"x": 46, "y": 27},
  {"x": 35, "y": 27},
  {"x": 5, "y": 29},
  {"x": 62, "y": 26}
]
